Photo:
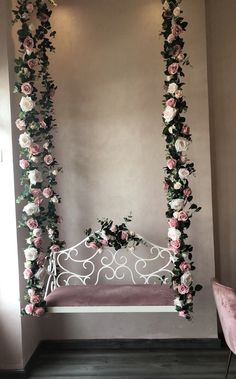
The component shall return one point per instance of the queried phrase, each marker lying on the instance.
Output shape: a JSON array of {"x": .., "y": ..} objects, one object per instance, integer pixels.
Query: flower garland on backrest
[
  {"x": 39, "y": 167},
  {"x": 178, "y": 166}
]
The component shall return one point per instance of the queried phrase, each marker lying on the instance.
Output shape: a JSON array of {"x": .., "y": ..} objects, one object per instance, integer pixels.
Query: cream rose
[
  {"x": 177, "y": 185},
  {"x": 174, "y": 234},
  {"x": 35, "y": 176},
  {"x": 31, "y": 208},
  {"x": 181, "y": 144},
  {"x": 37, "y": 232},
  {"x": 26, "y": 104},
  {"x": 31, "y": 253},
  {"x": 176, "y": 11},
  {"x": 172, "y": 88},
  {"x": 169, "y": 114},
  {"x": 183, "y": 173},
  {"x": 177, "y": 204},
  {"x": 25, "y": 141},
  {"x": 187, "y": 279}
]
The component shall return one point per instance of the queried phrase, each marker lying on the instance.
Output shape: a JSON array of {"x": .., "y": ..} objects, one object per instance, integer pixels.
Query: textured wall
[{"x": 110, "y": 73}]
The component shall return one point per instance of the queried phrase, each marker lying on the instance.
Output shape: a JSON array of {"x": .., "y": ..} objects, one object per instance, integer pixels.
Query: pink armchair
[{"x": 225, "y": 299}]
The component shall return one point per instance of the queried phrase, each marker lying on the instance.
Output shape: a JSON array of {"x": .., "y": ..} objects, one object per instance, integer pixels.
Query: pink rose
[
  {"x": 104, "y": 242},
  {"x": 20, "y": 124},
  {"x": 47, "y": 192},
  {"x": 181, "y": 57},
  {"x": 41, "y": 258},
  {"x": 28, "y": 273},
  {"x": 39, "y": 311},
  {"x": 185, "y": 129},
  {"x": 30, "y": 7},
  {"x": 26, "y": 88},
  {"x": 43, "y": 17},
  {"x": 124, "y": 235},
  {"x": 55, "y": 248},
  {"x": 171, "y": 163},
  {"x": 187, "y": 192},
  {"x": 43, "y": 124},
  {"x": 52, "y": 92},
  {"x": 183, "y": 158},
  {"x": 36, "y": 191},
  {"x": 35, "y": 149},
  {"x": 29, "y": 309},
  {"x": 37, "y": 241},
  {"x": 48, "y": 159},
  {"x": 28, "y": 44},
  {"x": 176, "y": 30},
  {"x": 92, "y": 245},
  {"x": 32, "y": 63},
  {"x": 170, "y": 38},
  {"x": 181, "y": 215},
  {"x": 173, "y": 68},
  {"x": 24, "y": 164},
  {"x": 183, "y": 289},
  {"x": 165, "y": 186},
  {"x": 173, "y": 223},
  {"x": 182, "y": 313},
  {"x": 113, "y": 228},
  {"x": 38, "y": 200},
  {"x": 35, "y": 299},
  {"x": 32, "y": 223},
  {"x": 184, "y": 266},
  {"x": 175, "y": 245},
  {"x": 177, "y": 50},
  {"x": 178, "y": 94},
  {"x": 171, "y": 102}
]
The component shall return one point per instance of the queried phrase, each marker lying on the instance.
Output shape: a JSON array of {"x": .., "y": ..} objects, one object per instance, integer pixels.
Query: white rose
[
  {"x": 177, "y": 204},
  {"x": 186, "y": 278},
  {"x": 181, "y": 144},
  {"x": 177, "y": 185},
  {"x": 31, "y": 208},
  {"x": 29, "y": 240},
  {"x": 168, "y": 78},
  {"x": 172, "y": 88},
  {"x": 55, "y": 172},
  {"x": 166, "y": 5},
  {"x": 37, "y": 232},
  {"x": 31, "y": 254},
  {"x": 171, "y": 129},
  {"x": 27, "y": 264},
  {"x": 25, "y": 141},
  {"x": 35, "y": 176},
  {"x": 34, "y": 159},
  {"x": 54, "y": 199},
  {"x": 26, "y": 104},
  {"x": 178, "y": 302},
  {"x": 183, "y": 173},
  {"x": 174, "y": 234},
  {"x": 169, "y": 113},
  {"x": 176, "y": 11}
]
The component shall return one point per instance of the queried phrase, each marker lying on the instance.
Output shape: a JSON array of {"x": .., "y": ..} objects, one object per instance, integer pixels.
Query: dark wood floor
[{"x": 127, "y": 364}]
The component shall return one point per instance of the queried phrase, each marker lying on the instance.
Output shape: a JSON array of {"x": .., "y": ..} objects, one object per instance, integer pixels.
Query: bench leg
[{"x": 228, "y": 364}]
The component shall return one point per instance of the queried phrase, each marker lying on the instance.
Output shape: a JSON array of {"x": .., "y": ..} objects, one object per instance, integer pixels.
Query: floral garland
[
  {"x": 178, "y": 167},
  {"x": 110, "y": 234},
  {"x": 39, "y": 167}
]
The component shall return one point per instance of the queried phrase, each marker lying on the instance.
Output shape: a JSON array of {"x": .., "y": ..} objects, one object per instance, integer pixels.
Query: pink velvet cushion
[
  {"x": 92, "y": 295},
  {"x": 225, "y": 298}
]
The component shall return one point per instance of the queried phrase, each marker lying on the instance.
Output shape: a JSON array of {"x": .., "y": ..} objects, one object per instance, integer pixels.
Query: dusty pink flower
[
  {"x": 176, "y": 30},
  {"x": 39, "y": 311},
  {"x": 179, "y": 94},
  {"x": 184, "y": 266},
  {"x": 92, "y": 245},
  {"x": 113, "y": 228},
  {"x": 35, "y": 299},
  {"x": 28, "y": 273},
  {"x": 29, "y": 309},
  {"x": 43, "y": 124},
  {"x": 55, "y": 248},
  {"x": 175, "y": 245},
  {"x": 171, "y": 102},
  {"x": 176, "y": 50},
  {"x": 32, "y": 63},
  {"x": 28, "y": 44},
  {"x": 185, "y": 129},
  {"x": 20, "y": 124},
  {"x": 182, "y": 313},
  {"x": 170, "y": 38},
  {"x": 30, "y": 7},
  {"x": 35, "y": 149},
  {"x": 183, "y": 289},
  {"x": 166, "y": 186},
  {"x": 43, "y": 17},
  {"x": 26, "y": 88},
  {"x": 173, "y": 222},
  {"x": 124, "y": 235},
  {"x": 171, "y": 163},
  {"x": 181, "y": 57},
  {"x": 173, "y": 68},
  {"x": 37, "y": 241},
  {"x": 32, "y": 223},
  {"x": 52, "y": 92},
  {"x": 24, "y": 164},
  {"x": 31, "y": 291},
  {"x": 41, "y": 258},
  {"x": 187, "y": 192},
  {"x": 47, "y": 192},
  {"x": 38, "y": 200},
  {"x": 181, "y": 215},
  {"x": 36, "y": 191},
  {"x": 48, "y": 159},
  {"x": 104, "y": 242}
]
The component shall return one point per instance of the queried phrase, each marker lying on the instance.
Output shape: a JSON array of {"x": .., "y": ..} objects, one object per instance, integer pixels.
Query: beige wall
[
  {"x": 110, "y": 77},
  {"x": 221, "y": 34}
]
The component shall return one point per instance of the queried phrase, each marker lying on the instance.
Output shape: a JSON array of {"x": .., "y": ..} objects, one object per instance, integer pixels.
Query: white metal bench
[{"x": 84, "y": 280}]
